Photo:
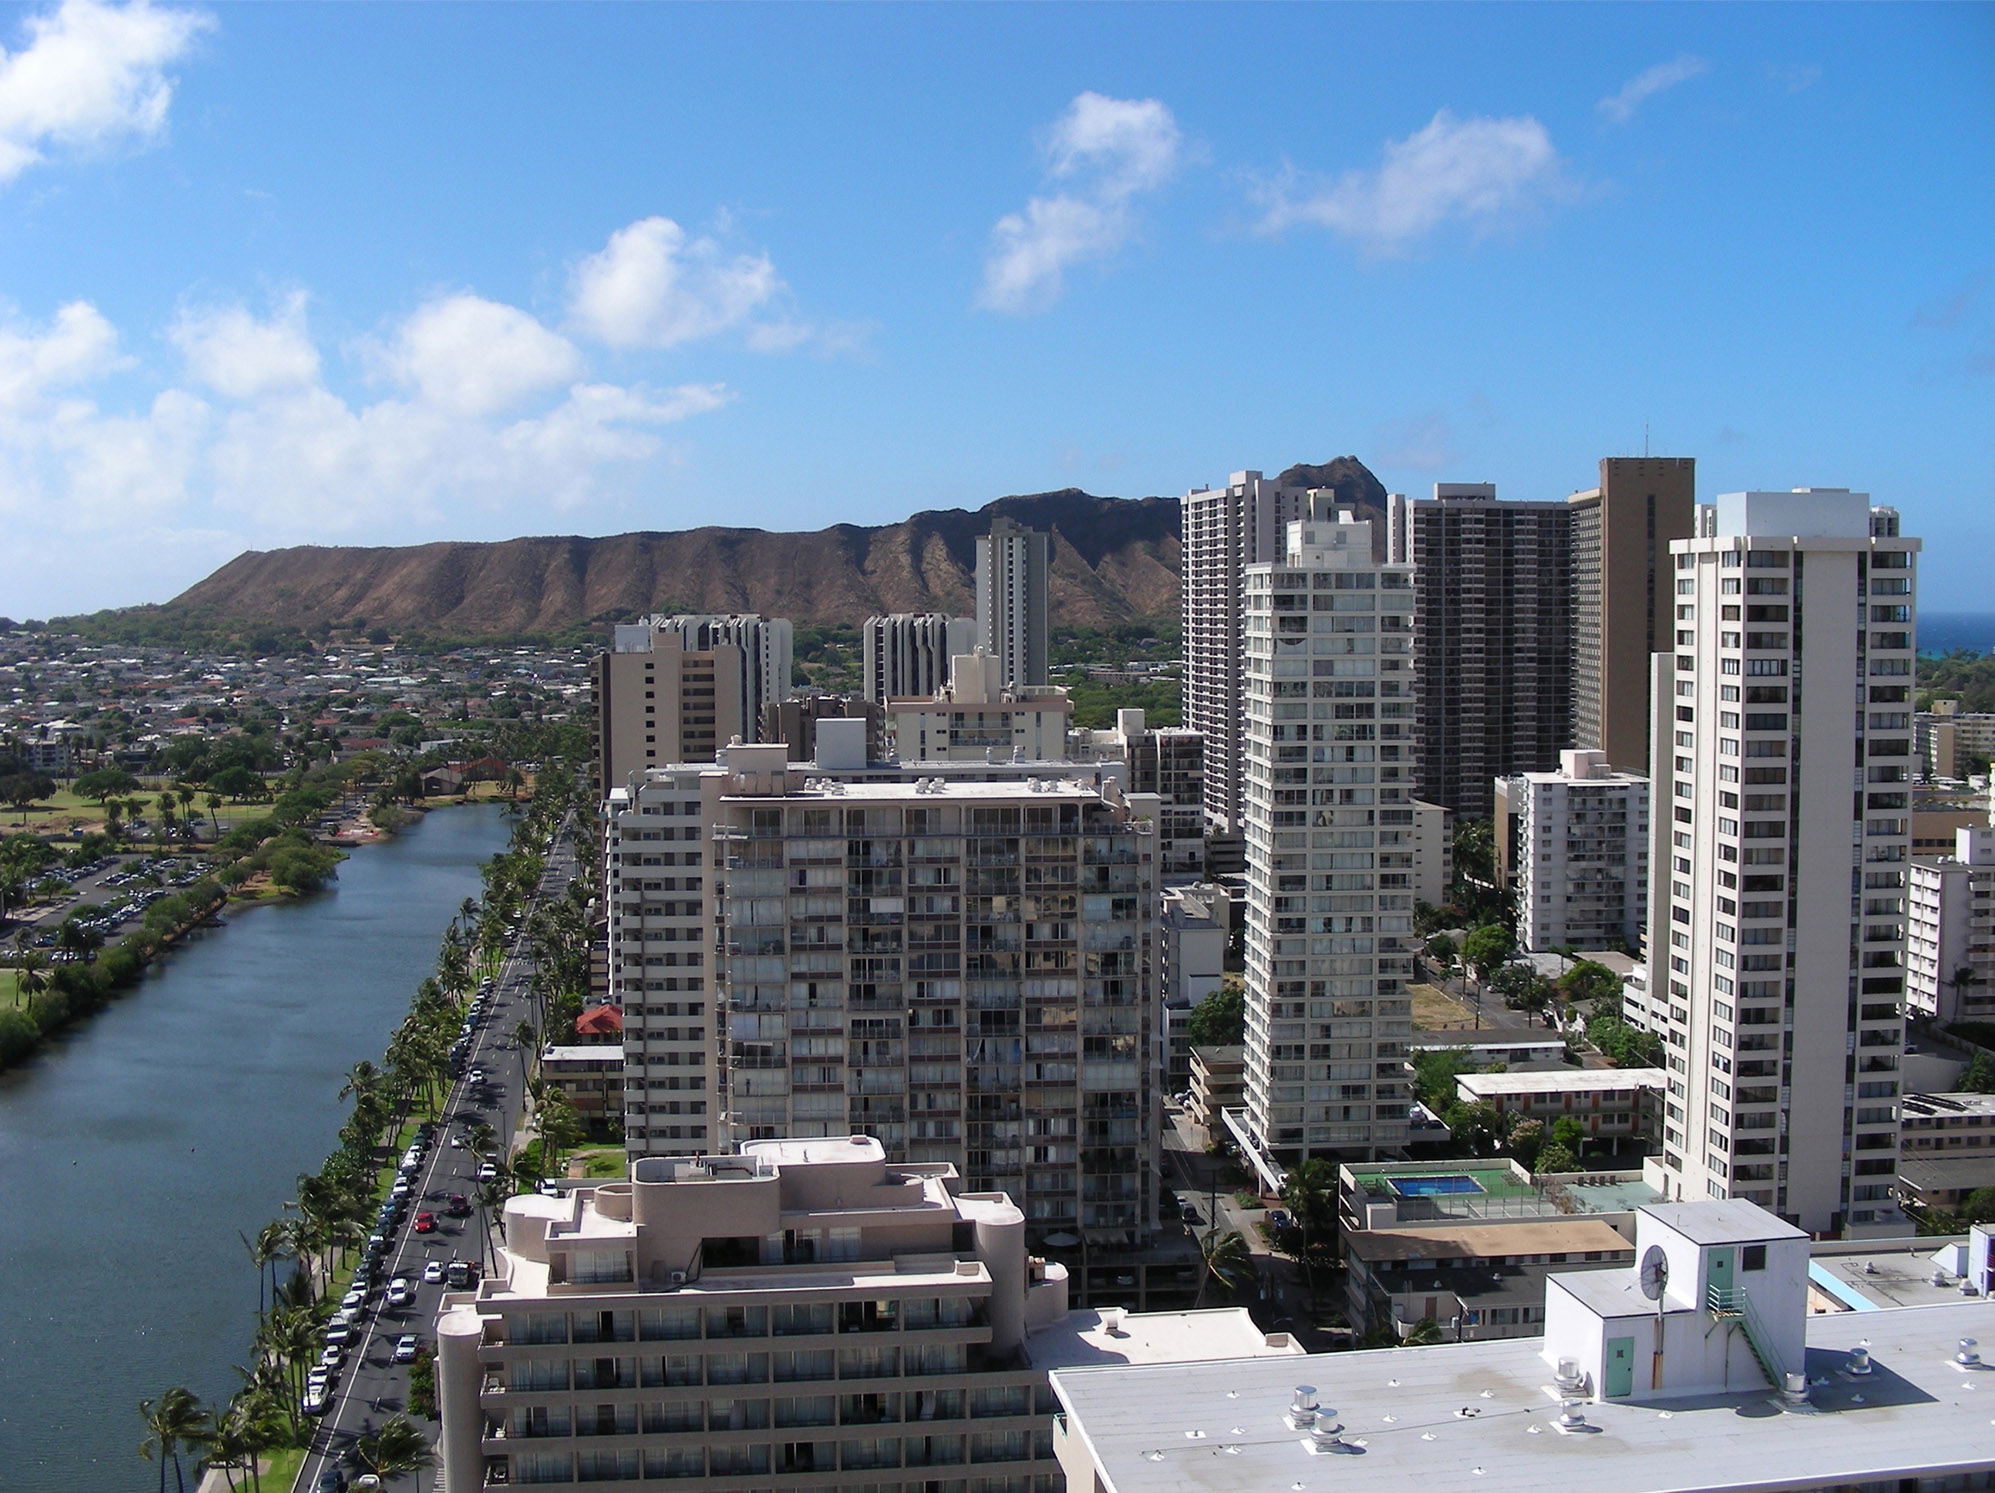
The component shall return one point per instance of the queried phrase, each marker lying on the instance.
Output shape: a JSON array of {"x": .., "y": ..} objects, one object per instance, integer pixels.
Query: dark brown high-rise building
[
  {"x": 1492, "y": 637},
  {"x": 1622, "y": 601}
]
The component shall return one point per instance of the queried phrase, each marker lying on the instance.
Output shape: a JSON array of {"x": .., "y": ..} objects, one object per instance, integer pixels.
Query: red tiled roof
[{"x": 599, "y": 1021}]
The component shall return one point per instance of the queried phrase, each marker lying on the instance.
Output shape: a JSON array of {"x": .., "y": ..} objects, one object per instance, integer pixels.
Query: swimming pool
[{"x": 1428, "y": 1187}]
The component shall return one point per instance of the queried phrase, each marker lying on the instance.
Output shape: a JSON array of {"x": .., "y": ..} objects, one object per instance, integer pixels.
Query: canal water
[{"x": 132, "y": 1153}]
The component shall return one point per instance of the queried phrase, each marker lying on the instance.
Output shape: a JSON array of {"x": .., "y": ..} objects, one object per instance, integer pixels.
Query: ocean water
[{"x": 1943, "y": 632}]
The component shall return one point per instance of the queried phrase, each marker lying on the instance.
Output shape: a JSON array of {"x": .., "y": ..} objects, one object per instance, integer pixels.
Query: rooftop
[
  {"x": 1485, "y": 1241},
  {"x": 1947, "y": 1106},
  {"x": 1562, "y": 1081},
  {"x": 1732, "y": 1222},
  {"x": 1083, "y": 1339},
  {"x": 1483, "y": 1416},
  {"x": 1884, "y": 1274}
]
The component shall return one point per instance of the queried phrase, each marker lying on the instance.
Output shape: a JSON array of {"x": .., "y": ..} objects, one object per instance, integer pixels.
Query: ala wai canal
[{"x": 131, "y": 1154}]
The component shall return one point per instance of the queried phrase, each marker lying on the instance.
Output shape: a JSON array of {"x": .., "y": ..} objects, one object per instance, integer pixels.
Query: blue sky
[{"x": 287, "y": 274}]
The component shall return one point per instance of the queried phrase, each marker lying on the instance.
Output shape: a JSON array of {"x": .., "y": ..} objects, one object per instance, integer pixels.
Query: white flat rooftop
[
  {"x": 1479, "y": 1416},
  {"x": 1082, "y": 1340},
  {"x": 1734, "y": 1221},
  {"x": 1563, "y": 1081}
]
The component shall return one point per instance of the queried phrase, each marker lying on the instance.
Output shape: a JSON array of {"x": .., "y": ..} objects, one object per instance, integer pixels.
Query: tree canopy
[{"x": 1220, "y": 1020}]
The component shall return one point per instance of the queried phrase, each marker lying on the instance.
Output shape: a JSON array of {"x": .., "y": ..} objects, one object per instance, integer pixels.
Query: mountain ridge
[{"x": 1114, "y": 561}]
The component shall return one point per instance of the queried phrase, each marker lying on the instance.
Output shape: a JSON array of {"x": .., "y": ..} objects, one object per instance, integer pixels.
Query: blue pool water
[{"x": 1428, "y": 1187}]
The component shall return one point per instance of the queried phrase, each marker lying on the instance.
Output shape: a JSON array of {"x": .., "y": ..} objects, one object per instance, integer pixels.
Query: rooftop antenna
[{"x": 1645, "y": 438}]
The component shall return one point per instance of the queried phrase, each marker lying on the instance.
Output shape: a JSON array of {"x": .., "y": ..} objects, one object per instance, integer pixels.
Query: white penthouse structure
[
  {"x": 908, "y": 653},
  {"x": 1168, "y": 761},
  {"x": 1330, "y": 774},
  {"x": 1224, "y": 531},
  {"x": 805, "y": 1315},
  {"x": 1014, "y": 567},
  {"x": 1582, "y": 854},
  {"x": 1779, "y": 847},
  {"x": 1950, "y": 943}
]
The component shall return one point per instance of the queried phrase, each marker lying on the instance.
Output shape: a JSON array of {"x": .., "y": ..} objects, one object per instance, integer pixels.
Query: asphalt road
[{"x": 371, "y": 1387}]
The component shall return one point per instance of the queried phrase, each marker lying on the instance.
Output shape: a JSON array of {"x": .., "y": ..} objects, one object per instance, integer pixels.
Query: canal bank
[{"x": 132, "y": 1152}]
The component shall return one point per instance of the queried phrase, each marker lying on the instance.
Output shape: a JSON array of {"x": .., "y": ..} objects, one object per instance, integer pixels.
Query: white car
[
  {"x": 400, "y": 1292},
  {"x": 317, "y": 1396},
  {"x": 355, "y": 1297},
  {"x": 477, "y": 1075},
  {"x": 488, "y": 1173},
  {"x": 405, "y": 1348},
  {"x": 401, "y": 1189},
  {"x": 319, "y": 1377},
  {"x": 433, "y": 1273},
  {"x": 457, "y": 1143},
  {"x": 331, "y": 1357}
]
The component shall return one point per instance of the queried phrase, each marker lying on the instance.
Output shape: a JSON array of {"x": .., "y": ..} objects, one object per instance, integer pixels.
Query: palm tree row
[{"x": 254, "y": 1421}]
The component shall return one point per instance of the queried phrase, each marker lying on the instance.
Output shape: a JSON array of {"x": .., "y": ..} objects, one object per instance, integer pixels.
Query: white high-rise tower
[
  {"x": 1780, "y": 835},
  {"x": 1329, "y": 795}
]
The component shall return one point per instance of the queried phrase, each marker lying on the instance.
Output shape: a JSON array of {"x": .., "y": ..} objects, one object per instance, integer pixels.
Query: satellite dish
[{"x": 1655, "y": 1272}]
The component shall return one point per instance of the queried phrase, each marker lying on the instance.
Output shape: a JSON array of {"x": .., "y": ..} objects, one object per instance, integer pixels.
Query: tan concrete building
[
  {"x": 1606, "y": 1102},
  {"x": 802, "y": 1316},
  {"x": 656, "y": 703},
  {"x": 1622, "y": 604},
  {"x": 1951, "y": 742},
  {"x": 979, "y": 718}
]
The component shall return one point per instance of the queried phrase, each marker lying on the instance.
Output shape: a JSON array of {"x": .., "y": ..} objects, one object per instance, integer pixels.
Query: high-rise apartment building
[
  {"x": 1014, "y": 566},
  {"x": 1225, "y": 530},
  {"x": 804, "y": 1315},
  {"x": 1330, "y": 775},
  {"x": 1950, "y": 943},
  {"x": 1168, "y": 761},
  {"x": 1492, "y": 636},
  {"x": 963, "y": 970},
  {"x": 658, "y": 701},
  {"x": 1621, "y": 601},
  {"x": 1780, "y": 834},
  {"x": 1580, "y": 859},
  {"x": 656, "y": 888},
  {"x": 1953, "y": 743},
  {"x": 908, "y": 653},
  {"x": 767, "y": 646}
]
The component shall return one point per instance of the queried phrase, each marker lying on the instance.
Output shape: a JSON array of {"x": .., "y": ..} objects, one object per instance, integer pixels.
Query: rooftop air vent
[
  {"x": 1969, "y": 1356},
  {"x": 1859, "y": 1363},
  {"x": 1796, "y": 1391},
  {"x": 1302, "y": 1408},
  {"x": 1327, "y": 1441},
  {"x": 1568, "y": 1376},
  {"x": 1111, "y": 1320}
]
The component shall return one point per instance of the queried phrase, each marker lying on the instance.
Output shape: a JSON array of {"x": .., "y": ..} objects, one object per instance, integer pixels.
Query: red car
[
  {"x": 459, "y": 1206},
  {"x": 425, "y": 1223}
]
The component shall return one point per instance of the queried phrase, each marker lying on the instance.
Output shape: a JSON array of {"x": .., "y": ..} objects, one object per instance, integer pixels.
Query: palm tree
[
  {"x": 1310, "y": 1190},
  {"x": 31, "y": 974},
  {"x": 1422, "y": 1334},
  {"x": 174, "y": 1420},
  {"x": 396, "y": 1448},
  {"x": 1226, "y": 1259},
  {"x": 265, "y": 1250}
]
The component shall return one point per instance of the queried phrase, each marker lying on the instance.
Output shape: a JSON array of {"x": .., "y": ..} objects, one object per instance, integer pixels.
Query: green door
[
  {"x": 1720, "y": 1275},
  {"x": 1620, "y": 1366}
]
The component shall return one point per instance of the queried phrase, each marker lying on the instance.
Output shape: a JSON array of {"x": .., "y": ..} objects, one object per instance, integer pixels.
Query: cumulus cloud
[
  {"x": 654, "y": 286},
  {"x": 477, "y": 357},
  {"x": 1111, "y": 151},
  {"x": 240, "y": 357},
  {"x": 90, "y": 75},
  {"x": 1645, "y": 85},
  {"x": 77, "y": 345},
  {"x": 491, "y": 411},
  {"x": 1481, "y": 172}
]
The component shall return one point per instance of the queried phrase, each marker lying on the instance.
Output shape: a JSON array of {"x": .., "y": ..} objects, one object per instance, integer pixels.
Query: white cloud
[
  {"x": 478, "y": 357},
  {"x": 1113, "y": 151},
  {"x": 1479, "y": 171},
  {"x": 1645, "y": 85},
  {"x": 1424, "y": 442},
  {"x": 78, "y": 345},
  {"x": 652, "y": 286},
  {"x": 90, "y": 75},
  {"x": 240, "y": 357}
]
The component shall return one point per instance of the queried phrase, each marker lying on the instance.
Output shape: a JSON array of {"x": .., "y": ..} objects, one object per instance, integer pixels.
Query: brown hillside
[{"x": 1114, "y": 560}]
